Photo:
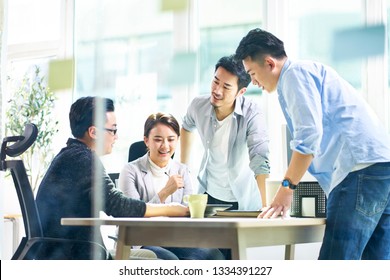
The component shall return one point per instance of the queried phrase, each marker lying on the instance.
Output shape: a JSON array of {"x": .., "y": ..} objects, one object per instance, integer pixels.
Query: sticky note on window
[
  {"x": 360, "y": 42},
  {"x": 174, "y": 5},
  {"x": 61, "y": 74}
]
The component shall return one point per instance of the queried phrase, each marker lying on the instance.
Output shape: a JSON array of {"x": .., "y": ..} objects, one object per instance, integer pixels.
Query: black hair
[
  {"x": 234, "y": 66},
  {"x": 258, "y": 43},
  {"x": 166, "y": 119},
  {"x": 81, "y": 115}
]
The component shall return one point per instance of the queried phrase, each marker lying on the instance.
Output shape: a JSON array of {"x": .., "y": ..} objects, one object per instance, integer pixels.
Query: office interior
[{"x": 157, "y": 55}]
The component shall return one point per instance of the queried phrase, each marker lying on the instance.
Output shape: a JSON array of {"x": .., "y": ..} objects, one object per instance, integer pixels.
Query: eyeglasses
[{"x": 113, "y": 131}]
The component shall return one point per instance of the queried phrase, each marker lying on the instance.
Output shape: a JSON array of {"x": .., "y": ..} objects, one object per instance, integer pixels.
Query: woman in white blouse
[{"x": 157, "y": 178}]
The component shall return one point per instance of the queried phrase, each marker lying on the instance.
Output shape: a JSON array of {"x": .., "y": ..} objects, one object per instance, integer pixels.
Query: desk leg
[
  {"x": 238, "y": 253},
  {"x": 289, "y": 252},
  {"x": 239, "y": 247},
  {"x": 122, "y": 251}
]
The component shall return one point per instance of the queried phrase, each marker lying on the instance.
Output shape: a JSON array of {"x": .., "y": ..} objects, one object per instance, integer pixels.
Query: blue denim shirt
[
  {"x": 248, "y": 146},
  {"x": 330, "y": 120}
]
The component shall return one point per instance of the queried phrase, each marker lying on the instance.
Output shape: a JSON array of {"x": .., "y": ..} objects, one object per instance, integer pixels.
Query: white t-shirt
[{"x": 218, "y": 185}]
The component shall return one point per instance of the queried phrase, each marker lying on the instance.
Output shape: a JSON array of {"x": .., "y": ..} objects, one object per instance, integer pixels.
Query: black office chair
[
  {"x": 137, "y": 150},
  {"x": 34, "y": 244},
  {"x": 113, "y": 176}
]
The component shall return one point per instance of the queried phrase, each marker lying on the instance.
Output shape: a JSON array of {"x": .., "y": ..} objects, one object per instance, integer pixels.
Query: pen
[{"x": 166, "y": 173}]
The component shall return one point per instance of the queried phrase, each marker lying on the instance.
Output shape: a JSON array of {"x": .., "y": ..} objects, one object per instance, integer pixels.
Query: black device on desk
[{"x": 309, "y": 200}]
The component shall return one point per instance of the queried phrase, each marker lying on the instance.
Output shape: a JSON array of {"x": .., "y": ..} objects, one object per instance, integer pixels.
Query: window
[
  {"x": 124, "y": 50},
  {"x": 312, "y": 25},
  {"x": 33, "y": 33},
  {"x": 309, "y": 34},
  {"x": 36, "y": 34},
  {"x": 222, "y": 25}
]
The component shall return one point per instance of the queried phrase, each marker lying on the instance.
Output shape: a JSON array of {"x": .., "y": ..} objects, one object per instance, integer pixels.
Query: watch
[{"x": 287, "y": 183}]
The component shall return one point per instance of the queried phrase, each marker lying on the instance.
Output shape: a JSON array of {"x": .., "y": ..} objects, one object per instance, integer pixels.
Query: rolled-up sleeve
[
  {"x": 305, "y": 110},
  {"x": 258, "y": 141},
  {"x": 188, "y": 122}
]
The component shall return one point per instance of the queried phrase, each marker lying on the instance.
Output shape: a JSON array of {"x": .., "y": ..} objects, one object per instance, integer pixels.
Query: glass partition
[
  {"x": 125, "y": 50},
  {"x": 311, "y": 34}
]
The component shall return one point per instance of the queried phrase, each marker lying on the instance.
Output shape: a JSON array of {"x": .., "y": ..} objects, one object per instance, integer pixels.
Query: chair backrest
[
  {"x": 137, "y": 150},
  {"x": 31, "y": 220},
  {"x": 114, "y": 177},
  {"x": 21, "y": 143},
  {"x": 35, "y": 245}
]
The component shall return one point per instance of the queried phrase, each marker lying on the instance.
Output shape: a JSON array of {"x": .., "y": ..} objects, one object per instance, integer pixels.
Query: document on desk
[{"x": 238, "y": 213}]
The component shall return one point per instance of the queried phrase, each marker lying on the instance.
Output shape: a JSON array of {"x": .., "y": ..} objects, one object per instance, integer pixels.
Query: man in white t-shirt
[{"x": 233, "y": 133}]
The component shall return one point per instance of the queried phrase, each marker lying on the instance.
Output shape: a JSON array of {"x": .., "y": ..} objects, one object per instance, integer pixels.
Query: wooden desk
[{"x": 238, "y": 234}]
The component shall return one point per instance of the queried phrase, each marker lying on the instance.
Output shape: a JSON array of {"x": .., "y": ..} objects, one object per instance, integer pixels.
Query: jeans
[
  {"x": 358, "y": 216},
  {"x": 171, "y": 253}
]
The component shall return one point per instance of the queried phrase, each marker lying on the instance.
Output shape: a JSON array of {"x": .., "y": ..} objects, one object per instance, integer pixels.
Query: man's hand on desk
[
  {"x": 280, "y": 205},
  {"x": 170, "y": 210}
]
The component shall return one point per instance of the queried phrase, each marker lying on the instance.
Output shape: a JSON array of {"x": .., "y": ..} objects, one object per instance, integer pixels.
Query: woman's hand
[{"x": 174, "y": 183}]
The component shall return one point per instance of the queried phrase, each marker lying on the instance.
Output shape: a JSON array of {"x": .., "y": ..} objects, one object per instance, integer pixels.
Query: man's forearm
[
  {"x": 186, "y": 140},
  {"x": 298, "y": 166},
  {"x": 260, "y": 179}
]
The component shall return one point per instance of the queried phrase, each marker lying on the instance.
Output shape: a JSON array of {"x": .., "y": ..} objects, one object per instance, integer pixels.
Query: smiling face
[
  {"x": 224, "y": 89},
  {"x": 161, "y": 142},
  {"x": 264, "y": 75}
]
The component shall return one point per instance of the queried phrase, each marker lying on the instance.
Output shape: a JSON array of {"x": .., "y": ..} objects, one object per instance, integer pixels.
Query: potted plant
[{"x": 32, "y": 101}]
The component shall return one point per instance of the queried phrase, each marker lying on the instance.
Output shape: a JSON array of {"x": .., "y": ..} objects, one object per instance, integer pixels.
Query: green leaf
[{"x": 33, "y": 102}]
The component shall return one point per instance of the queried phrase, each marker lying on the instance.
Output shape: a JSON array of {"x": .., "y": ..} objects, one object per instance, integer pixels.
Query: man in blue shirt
[
  {"x": 232, "y": 130},
  {"x": 337, "y": 138}
]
